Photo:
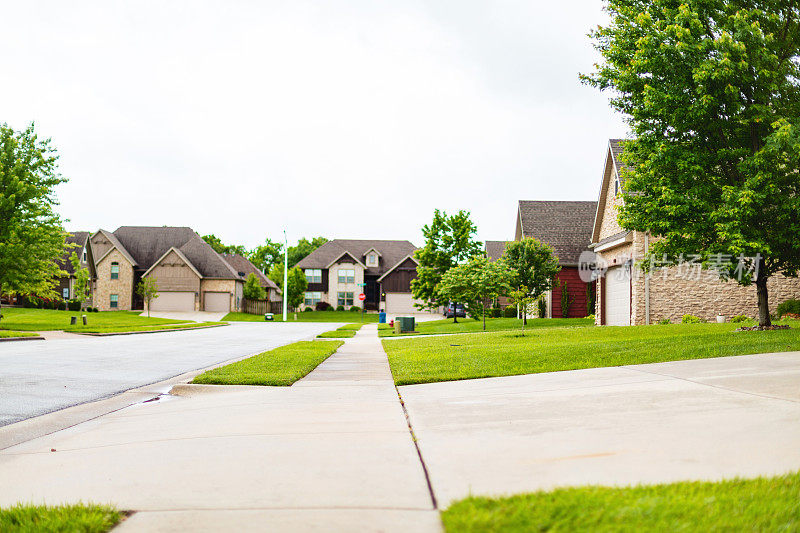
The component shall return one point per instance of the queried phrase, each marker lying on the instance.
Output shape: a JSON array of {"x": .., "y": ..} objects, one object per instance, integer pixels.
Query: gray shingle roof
[
  {"x": 391, "y": 252},
  {"x": 565, "y": 225},
  {"x": 74, "y": 237},
  {"x": 616, "y": 151},
  {"x": 242, "y": 264},
  {"x": 495, "y": 249},
  {"x": 147, "y": 244}
]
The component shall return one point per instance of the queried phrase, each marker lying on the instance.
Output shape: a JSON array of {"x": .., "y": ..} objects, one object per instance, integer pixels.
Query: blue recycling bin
[{"x": 382, "y": 317}]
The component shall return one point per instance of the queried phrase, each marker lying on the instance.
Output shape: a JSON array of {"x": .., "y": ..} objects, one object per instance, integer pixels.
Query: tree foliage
[
  {"x": 265, "y": 255},
  {"x": 449, "y": 241},
  {"x": 522, "y": 298},
  {"x": 82, "y": 284},
  {"x": 303, "y": 249},
  {"x": 252, "y": 288},
  {"x": 297, "y": 284},
  {"x": 222, "y": 248},
  {"x": 711, "y": 90},
  {"x": 32, "y": 239},
  {"x": 148, "y": 290},
  {"x": 533, "y": 265},
  {"x": 475, "y": 283}
]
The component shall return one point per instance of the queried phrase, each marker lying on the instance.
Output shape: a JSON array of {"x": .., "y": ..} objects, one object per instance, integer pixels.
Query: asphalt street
[{"x": 41, "y": 377}]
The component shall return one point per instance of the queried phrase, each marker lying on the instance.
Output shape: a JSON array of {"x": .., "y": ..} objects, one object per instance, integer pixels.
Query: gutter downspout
[{"x": 646, "y": 281}]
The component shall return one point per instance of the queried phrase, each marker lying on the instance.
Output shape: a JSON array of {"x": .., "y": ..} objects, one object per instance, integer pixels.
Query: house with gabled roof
[
  {"x": 190, "y": 275},
  {"x": 628, "y": 296},
  {"x": 244, "y": 267},
  {"x": 341, "y": 269},
  {"x": 78, "y": 243},
  {"x": 566, "y": 226}
]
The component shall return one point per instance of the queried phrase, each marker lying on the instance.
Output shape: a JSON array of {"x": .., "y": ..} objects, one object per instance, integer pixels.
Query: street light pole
[{"x": 285, "y": 277}]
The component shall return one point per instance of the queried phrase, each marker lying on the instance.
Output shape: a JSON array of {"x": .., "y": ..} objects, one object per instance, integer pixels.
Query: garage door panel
[
  {"x": 217, "y": 301},
  {"x": 173, "y": 301},
  {"x": 618, "y": 296},
  {"x": 400, "y": 303}
]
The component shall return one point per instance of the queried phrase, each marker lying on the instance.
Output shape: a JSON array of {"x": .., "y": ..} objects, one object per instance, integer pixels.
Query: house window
[
  {"x": 84, "y": 255},
  {"x": 114, "y": 301},
  {"x": 312, "y": 298},
  {"x": 616, "y": 187},
  {"x": 345, "y": 299},
  {"x": 114, "y": 270},
  {"x": 65, "y": 293},
  {"x": 347, "y": 275},
  {"x": 314, "y": 275},
  {"x": 372, "y": 260}
]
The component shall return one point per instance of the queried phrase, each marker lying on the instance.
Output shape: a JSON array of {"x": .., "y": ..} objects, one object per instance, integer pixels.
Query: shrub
[
  {"x": 690, "y": 319},
  {"x": 664, "y": 321},
  {"x": 355, "y": 309},
  {"x": 566, "y": 301},
  {"x": 541, "y": 304},
  {"x": 494, "y": 312},
  {"x": 739, "y": 318},
  {"x": 322, "y": 306},
  {"x": 95, "y": 310},
  {"x": 62, "y": 306},
  {"x": 340, "y": 308},
  {"x": 789, "y": 306},
  {"x": 510, "y": 312},
  {"x": 74, "y": 305},
  {"x": 330, "y": 308},
  {"x": 308, "y": 310}
]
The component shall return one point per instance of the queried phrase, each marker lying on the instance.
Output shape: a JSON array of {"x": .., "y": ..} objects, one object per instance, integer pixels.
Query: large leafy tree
[
  {"x": 449, "y": 241},
  {"x": 533, "y": 265},
  {"x": 297, "y": 283},
  {"x": 711, "y": 90},
  {"x": 475, "y": 283},
  {"x": 32, "y": 239},
  {"x": 222, "y": 248},
  {"x": 303, "y": 248},
  {"x": 265, "y": 255}
]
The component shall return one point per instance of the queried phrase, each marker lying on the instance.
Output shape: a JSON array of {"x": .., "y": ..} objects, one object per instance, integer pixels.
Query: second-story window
[
  {"x": 114, "y": 270},
  {"x": 372, "y": 260},
  {"x": 314, "y": 275},
  {"x": 347, "y": 275}
]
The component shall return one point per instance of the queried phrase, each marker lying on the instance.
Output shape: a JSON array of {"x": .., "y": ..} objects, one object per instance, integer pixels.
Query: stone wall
[
  {"x": 105, "y": 286},
  {"x": 334, "y": 286}
]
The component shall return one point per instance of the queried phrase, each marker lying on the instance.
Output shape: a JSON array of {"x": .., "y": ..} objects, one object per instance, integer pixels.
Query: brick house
[
  {"x": 78, "y": 243},
  {"x": 244, "y": 268},
  {"x": 336, "y": 271},
  {"x": 626, "y": 296},
  {"x": 191, "y": 276},
  {"x": 567, "y": 227}
]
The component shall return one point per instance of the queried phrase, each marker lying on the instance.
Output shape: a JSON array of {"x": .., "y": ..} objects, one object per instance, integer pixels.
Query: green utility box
[{"x": 404, "y": 324}]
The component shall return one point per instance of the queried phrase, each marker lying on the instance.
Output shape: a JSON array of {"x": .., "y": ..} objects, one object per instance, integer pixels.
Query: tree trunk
[
  {"x": 484, "y": 318},
  {"x": 763, "y": 301}
]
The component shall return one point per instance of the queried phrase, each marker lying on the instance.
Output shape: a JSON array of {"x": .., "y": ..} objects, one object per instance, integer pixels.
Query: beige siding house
[
  {"x": 626, "y": 296},
  {"x": 190, "y": 275}
]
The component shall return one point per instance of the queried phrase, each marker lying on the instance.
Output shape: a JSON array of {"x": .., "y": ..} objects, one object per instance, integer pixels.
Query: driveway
[
  {"x": 40, "y": 377},
  {"x": 188, "y": 316},
  {"x": 701, "y": 419}
]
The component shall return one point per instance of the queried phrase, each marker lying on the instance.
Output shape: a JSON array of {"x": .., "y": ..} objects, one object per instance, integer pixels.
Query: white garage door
[
  {"x": 400, "y": 303},
  {"x": 217, "y": 301},
  {"x": 173, "y": 301},
  {"x": 618, "y": 296}
]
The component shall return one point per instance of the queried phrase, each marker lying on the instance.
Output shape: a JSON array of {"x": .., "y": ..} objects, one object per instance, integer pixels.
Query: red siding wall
[{"x": 577, "y": 290}]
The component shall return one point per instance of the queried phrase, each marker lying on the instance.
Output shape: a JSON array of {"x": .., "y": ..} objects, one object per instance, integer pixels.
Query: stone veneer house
[
  {"x": 627, "y": 296},
  {"x": 191, "y": 276},
  {"x": 78, "y": 242},
  {"x": 336, "y": 271},
  {"x": 567, "y": 227}
]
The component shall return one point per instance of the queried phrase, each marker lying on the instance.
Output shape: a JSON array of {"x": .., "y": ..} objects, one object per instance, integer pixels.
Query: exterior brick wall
[
  {"x": 105, "y": 286},
  {"x": 222, "y": 285}
]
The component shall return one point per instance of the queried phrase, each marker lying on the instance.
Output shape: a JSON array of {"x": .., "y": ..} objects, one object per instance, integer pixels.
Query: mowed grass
[
  {"x": 9, "y": 334},
  {"x": 167, "y": 327},
  {"x": 66, "y": 518},
  {"x": 467, "y": 325},
  {"x": 48, "y": 320},
  {"x": 345, "y": 332},
  {"x": 310, "y": 316},
  {"x": 279, "y": 367},
  {"x": 761, "y": 504},
  {"x": 431, "y": 359}
]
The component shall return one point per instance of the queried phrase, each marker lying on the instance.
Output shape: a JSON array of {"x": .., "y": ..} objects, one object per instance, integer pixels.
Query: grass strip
[
  {"x": 310, "y": 316},
  {"x": 10, "y": 334},
  {"x": 49, "y": 320},
  {"x": 345, "y": 332},
  {"x": 126, "y": 329},
  {"x": 431, "y": 359},
  {"x": 466, "y": 325},
  {"x": 86, "y": 518},
  {"x": 279, "y": 367},
  {"x": 761, "y": 504}
]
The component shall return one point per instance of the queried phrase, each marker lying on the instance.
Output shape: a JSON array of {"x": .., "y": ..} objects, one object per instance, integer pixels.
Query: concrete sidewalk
[{"x": 331, "y": 453}]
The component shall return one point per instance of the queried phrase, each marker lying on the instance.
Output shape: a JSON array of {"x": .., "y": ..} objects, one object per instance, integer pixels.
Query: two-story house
[
  {"x": 79, "y": 244},
  {"x": 341, "y": 269}
]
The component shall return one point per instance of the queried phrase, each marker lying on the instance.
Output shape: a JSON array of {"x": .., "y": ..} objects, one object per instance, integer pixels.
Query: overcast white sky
[{"x": 344, "y": 119}]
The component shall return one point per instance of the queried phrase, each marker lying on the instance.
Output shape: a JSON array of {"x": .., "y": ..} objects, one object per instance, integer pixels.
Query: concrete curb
[{"x": 16, "y": 339}]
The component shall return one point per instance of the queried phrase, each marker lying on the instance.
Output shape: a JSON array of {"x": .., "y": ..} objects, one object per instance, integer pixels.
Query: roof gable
[
  {"x": 244, "y": 267},
  {"x": 390, "y": 252},
  {"x": 180, "y": 256},
  {"x": 564, "y": 225},
  {"x": 115, "y": 245},
  {"x": 610, "y": 172},
  {"x": 399, "y": 264},
  {"x": 495, "y": 249}
]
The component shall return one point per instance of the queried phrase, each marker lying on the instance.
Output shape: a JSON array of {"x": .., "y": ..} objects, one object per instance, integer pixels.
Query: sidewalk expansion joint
[{"x": 419, "y": 451}]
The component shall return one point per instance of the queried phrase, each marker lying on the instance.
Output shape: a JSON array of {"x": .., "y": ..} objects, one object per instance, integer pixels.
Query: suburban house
[
  {"x": 244, "y": 268},
  {"x": 567, "y": 227},
  {"x": 627, "y": 296},
  {"x": 190, "y": 275},
  {"x": 78, "y": 243},
  {"x": 341, "y": 269}
]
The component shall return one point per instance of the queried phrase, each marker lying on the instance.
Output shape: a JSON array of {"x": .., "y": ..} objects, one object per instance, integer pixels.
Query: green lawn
[
  {"x": 66, "y": 518},
  {"x": 467, "y": 325},
  {"x": 310, "y": 316},
  {"x": 7, "y": 334},
  {"x": 167, "y": 327},
  {"x": 761, "y": 504},
  {"x": 47, "y": 320},
  {"x": 506, "y": 353},
  {"x": 345, "y": 332},
  {"x": 279, "y": 367}
]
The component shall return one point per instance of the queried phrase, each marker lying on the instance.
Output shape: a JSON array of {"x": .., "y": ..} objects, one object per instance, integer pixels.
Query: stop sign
[{"x": 362, "y": 296}]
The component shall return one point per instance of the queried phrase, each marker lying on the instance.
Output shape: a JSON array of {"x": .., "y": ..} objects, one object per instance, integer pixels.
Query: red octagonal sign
[{"x": 362, "y": 296}]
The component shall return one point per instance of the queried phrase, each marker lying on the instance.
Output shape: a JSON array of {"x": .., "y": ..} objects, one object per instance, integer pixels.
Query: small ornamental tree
[
  {"x": 522, "y": 298},
  {"x": 532, "y": 264},
  {"x": 82, "y": 279},
  {"x": 449, "y": 241},
  {"x": 252, "y": 288},
  {"x": 566, "y": 300},
  {"x": 474, "y": 283},
  {"x": 297, "y": 284},
  {"x": 148, "y": 290},
  {"x": 711, "y": 91}
]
